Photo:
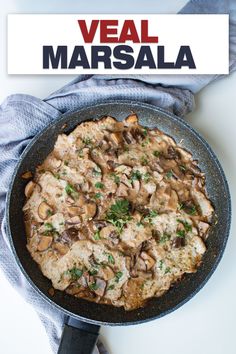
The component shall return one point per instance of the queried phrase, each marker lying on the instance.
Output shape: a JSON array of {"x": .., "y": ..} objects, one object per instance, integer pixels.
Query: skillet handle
[{"x": 78, "y": 337}]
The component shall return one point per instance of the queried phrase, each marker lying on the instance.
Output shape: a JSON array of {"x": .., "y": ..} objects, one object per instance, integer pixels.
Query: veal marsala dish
[{"x": 117, "y": 213}]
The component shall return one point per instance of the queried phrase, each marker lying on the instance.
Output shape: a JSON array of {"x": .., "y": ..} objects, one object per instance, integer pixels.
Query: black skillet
[{"x": 83, "y": 318}]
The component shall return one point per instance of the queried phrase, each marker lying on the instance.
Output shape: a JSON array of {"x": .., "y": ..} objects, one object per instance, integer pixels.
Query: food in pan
[{"x": 117, "y": 213}]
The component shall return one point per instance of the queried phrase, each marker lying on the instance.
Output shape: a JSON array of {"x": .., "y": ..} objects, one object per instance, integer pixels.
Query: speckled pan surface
[{"x": 217, "y": 189}]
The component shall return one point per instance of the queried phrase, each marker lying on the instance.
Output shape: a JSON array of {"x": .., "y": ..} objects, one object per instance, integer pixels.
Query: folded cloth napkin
[{"x": 23, "y": 116}]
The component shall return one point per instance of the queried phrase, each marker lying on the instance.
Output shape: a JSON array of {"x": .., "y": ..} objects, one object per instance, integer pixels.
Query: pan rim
[{"x": 212, "y": 156}]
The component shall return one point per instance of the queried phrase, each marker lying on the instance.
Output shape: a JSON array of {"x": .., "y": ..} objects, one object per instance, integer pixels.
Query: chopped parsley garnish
[
  {"x": 167, "y": 270},
  {"x": 161, "y": 264},
  {"x": 186, "y": 225},
  {"x": 136, "y": 175},
  {"x": 93, "y": 271},
  {"x": 152, "y": 214},
  {"x": 93, "y": 286},
  {"x": 146, "y": 141},
  {"x": 66, "y": 163},
  {"x": 96, "y": 235},
  {"x": 146, "y": 177},
  {"x": 169, "y": 174},
  {"x": 118, "y": 214},
  {"x": 49, "y": 226},
  {"x": 57, "y": 176},
  {"x": 96, "y": 172},
  {"x": 116, "y": 178},
  {"x": 99, "y": 185},
  {"x": 111, "y": 287},
  {"x": 118, "y": 276},
  {"x": 49, "y": 212},
  {"x": 193, "y": 210},
  {"x": 165, "y": 237},
  {"x": 182, "y": 168},
  {"x": 144, "y": 160},
  {"x": 180, "y": 233},
  {"x": 75, "y": 273},
  {"x": 87, "y": 141},
  {"x": 180, "y": 206},
  {"x": 70, "y": 190},
  {"x": 156, "y": 153},
  {"x": 110, "y": 258},
  {"x": 98, "y": 195},
  {"x": 145, "y": 132}
]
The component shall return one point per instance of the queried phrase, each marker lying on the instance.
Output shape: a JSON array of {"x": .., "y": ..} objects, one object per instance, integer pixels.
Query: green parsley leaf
[
  {"x": 96, "y": 235},
  {"x": 164, "y": 238},
  {"x": 156, "y": 153},
  {"x": 161, "y": 264},
  {"x": 169, "y": 174},
  {"x": 49, "y": 226},
  {"x": 110, "y": 259},
  {"x": 146, "y": 177},
  {"x": 187, "y": 226},
  {"x": 144, "y": 160},
  {"x": 136, "y": 175},
  {"x": 75, "y": 273},
  {"x": 167, "y": 270},
  {"x": 87, "y": 141},
  {"x": 98, "y": 195},
  {"x": 70, "y": 190},
  {"x": 145, "y": 132},
  {"x": 118, "y": 214},
  {"x": 96, "y": 172},
  {"x": 49, "y": 212},
  {"x": 93, "y": 286},
  {"x": 118, "y": 276},
  {"x": 111, "y": 287},
  {"x": 180, "y": 233},
  {"x": 116, "y": 178},
  {"x": 99, "y": 185},
  {"x": 66, "y": 163},
  {"x": 93, "y": 271}
]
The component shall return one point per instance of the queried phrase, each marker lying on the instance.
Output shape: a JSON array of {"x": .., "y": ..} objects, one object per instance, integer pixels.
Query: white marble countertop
[{"x": 206, "y": 324}]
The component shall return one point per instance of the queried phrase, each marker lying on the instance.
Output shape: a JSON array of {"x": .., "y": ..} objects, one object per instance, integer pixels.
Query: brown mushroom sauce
[{"x": 117, "y": 213}]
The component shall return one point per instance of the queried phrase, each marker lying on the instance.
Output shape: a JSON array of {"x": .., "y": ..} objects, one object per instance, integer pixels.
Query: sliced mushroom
[
  {"x": 29, "y": 188},
  {"x": 136, "y": 185},
  {"x": 137, "y": 134},
  {"x": 150, "y": 187},
  {"x": 44, "y": 210},
  {"x": 74, "y": 220},
  {"x": 141, "y": 265},
  {"x": 44, "y": 243},
  {"x": 90, "y": 210},
  {"x": 203, "y": 227},
  {"x": 75, "y": 211},
  {"x": 123, "y": 169},
  {"x": 61, "y": 248},
  {"x": 27, "y": 175},
  {"x": 122, "y": 190},
  {"x": 173, "y": 201},
  {"x": 54, "y": 162},
  {"x": 116, "y": 138},
  {"x": 107, "y": 273},
  {"x": 178, "y": 242},
  {"x": 128, "y": 137},
  {"x": 149, "y": 261},
  {"x": 131, "y": 119},
  {"x": 101, "y": 287},
  {"x": 172, "y": 153},
  {"x": 106, "y": 231}
]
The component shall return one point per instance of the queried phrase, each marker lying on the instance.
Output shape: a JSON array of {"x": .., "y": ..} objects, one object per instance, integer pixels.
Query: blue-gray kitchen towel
[{"x": 23, "y": 116}]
